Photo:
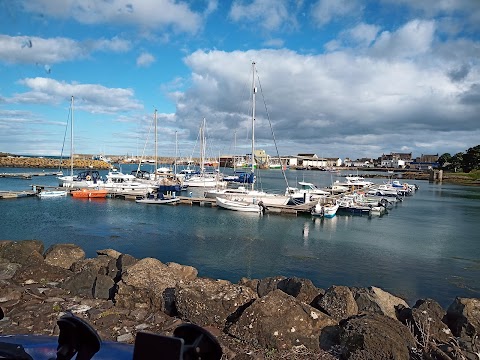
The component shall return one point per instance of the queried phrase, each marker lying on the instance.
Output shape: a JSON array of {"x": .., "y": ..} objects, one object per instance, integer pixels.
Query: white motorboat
[
  {"x": 52, "y": 193},
  {"x": 252, "y": 196},
  {"x": 305, "y": 191},
  {"x": 237, "y": 204},
  {"x": 159, "y": 200},
  {"x": 328, "y": 210},
  {"x": 125, "y": 184}
]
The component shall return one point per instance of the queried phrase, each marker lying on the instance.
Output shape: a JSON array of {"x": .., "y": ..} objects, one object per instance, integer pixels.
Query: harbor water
[{"x": 428, "y": 246}]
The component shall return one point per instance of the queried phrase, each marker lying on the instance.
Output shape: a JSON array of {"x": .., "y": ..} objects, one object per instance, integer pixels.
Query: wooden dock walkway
[
  {"x": 279, "y": 209},
  {"x": 15, "y": 194},
  {"x": 27, "y": 175},
  {"x": 184, "y": 200}
]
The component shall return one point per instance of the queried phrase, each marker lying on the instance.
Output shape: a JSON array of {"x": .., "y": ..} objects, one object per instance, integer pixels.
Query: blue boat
[{"x": 241, "y": 177}]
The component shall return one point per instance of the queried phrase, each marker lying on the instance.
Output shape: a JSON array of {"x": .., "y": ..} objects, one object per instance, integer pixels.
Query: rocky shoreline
[{"x": 271, "y": 318}]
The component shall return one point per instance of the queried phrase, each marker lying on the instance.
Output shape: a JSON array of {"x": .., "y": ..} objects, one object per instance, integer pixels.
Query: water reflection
[{"x": 325, "y": 224}]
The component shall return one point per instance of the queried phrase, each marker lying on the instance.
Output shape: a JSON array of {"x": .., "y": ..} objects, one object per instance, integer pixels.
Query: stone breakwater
[
  {"x": 26, "y": 162},
  {"x": 273, "y": 318}
]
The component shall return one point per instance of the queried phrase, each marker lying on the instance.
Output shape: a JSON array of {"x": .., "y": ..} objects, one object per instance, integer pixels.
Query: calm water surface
[{"x": 427, "y": 246}]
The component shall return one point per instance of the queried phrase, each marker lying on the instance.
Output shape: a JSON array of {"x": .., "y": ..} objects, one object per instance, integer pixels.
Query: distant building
[
  {"x": 311, "y": 160},
  {"x": 334, "y": 162},
  {"x": 427, "y": 158},
  {"x": 363, "y": 162}
]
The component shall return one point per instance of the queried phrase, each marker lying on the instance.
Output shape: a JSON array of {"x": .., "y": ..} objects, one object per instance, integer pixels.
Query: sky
[{"x": 337, "y": 78}]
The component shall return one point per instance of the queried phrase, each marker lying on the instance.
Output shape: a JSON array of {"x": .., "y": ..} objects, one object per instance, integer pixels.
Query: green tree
[
  {"x": 456, "y": 162},
  {"x": 471, "y": 159},
  {"x": 444, "y": 159}
]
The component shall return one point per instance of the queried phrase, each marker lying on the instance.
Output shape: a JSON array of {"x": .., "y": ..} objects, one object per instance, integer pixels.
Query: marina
[{"x": 424, "y": 246}]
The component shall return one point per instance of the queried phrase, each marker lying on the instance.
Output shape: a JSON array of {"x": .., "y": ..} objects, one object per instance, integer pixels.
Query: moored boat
[
  {"x": 237, "y": 204},
  {"x": 51, "y": 193},
  {"x": 90, "y": 193},
  {"x": 328, "y": 210},
  {"x": 162, "y": 200}
]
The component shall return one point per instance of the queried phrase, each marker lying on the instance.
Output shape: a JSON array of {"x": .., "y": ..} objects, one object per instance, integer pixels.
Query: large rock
[
  {"x": 374, "y": 336},
  {"x": 338, "y": 302},
  {"x": 302, "y": 289},
  {"x": 24, "y": 252},
  {"x": 64, "y": 255},
  {"x": 103, "y": 287},
  {"x": 98, "y": 265},
  {"x": 41, "y": 273},
  {"x": 280, "y": 321},
  {"x": 208, "y": 302},
  {"x": 151, "y": 283},
  {"x": 376, "y": 300},
  {"x": 425, "y": 318},
  {"x": 81, "y": 283},
  {"x": 268, "y": 285},
  {"x": 7, "y": 269},
  {"x": 109, "y": 252},
  {"x": 463, "y": 316}
]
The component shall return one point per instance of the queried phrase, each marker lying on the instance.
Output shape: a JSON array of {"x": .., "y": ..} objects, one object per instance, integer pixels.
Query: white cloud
[
  {"x": 276, "y": 43},
  {"x": 364, "y": 34},
  {"x": 339, "y": 98},
  {"x": 36, "y": 50},
  {"x": 412, "y": 39},
  {"x": 326, "y": 11},
  {"x": 90, "y": 97},
  {"x": 269, "y": 14},
  {"x": 145, "y": 59},
  {"x": 143, "y": 13}
]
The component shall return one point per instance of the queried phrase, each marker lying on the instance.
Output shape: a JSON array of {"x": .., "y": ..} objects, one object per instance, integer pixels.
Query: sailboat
[
  {"x": 83, "y": 179},
  {"x": 204, "y": 179},
  {"x": 162, "y": 180},
  {"x": 243, "y": 199}
]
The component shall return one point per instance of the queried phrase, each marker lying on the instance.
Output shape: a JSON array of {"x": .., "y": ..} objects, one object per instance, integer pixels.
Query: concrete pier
[{"x": 436, "y": 175}]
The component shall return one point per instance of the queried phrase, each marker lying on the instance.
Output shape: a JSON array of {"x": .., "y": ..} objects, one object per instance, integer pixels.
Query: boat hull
[
  {"x": 88, "y": 194},
  {"x": 237, "y": 205},
  {"x": 157, "y": 201},
  {"x": 51, "y": 194}
]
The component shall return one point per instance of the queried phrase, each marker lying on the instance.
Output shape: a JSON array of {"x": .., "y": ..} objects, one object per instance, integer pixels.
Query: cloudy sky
[{"x": 344, "y": 78}]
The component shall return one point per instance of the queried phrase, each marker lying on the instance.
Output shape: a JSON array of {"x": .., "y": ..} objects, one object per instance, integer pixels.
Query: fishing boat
[
  {"x": 251, "y": 195},
  {"x": 90, "y": 193},
  {"x": 51, "y": 193}
]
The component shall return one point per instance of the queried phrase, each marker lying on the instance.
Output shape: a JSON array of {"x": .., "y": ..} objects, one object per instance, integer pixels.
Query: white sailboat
[
  {"x": 162, "y": 179},
  {"x": 83, "y": 179},
  {"x": 231, "y": 198},
  {"x": 204, "y": 179}
]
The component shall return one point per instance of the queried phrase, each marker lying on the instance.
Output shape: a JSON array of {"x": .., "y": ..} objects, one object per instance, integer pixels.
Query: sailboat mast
[
  {"x": 71, "y": 140},
  {"x": 254, "y": 90},
  {"x": 202, "y": 147},
  {"x": 156, "y": 139},
  {"x": 176, "y": 154}
]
